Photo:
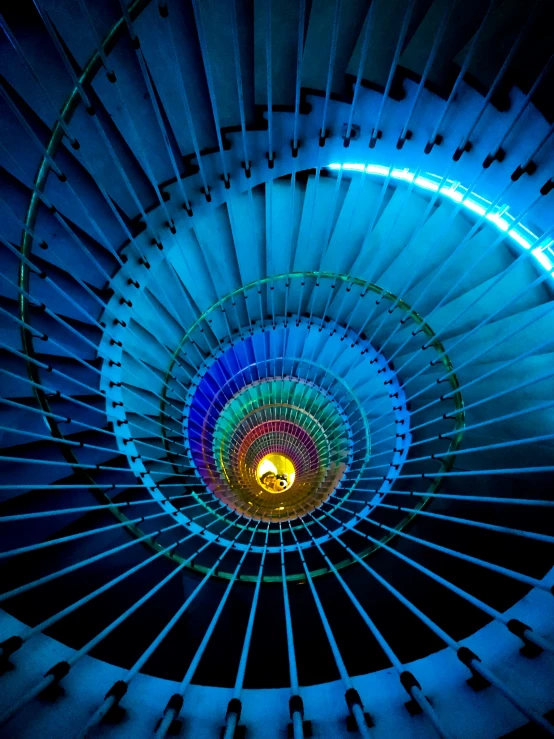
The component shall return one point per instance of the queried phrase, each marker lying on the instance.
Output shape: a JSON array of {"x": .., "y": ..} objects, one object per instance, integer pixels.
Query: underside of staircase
[{"x": 277, "y": 377}]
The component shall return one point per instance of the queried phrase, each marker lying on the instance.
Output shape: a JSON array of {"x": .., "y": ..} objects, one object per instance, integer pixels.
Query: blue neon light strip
[{"x": 499, "y": 217}]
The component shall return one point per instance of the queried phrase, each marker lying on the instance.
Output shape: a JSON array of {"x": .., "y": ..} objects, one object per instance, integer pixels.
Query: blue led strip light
[{"x": 499, "y": 216}]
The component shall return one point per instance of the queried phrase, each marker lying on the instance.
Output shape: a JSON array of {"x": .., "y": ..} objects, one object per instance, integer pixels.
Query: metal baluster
[
  {"x": 142, "y": 154},
  {"x": 527, "y": 635},
  {"x": 57, "y": 673},
  {"x": 462, "y": 147},
  {"x": 512, "y": 574},
  {"x": 323, "y": 133},
  {"x": 163, "y": 8},
  {"x": 298, "y": 80},
  {"x": 496, "y": 242},
  {"x": 72, "y": 568},
  {"x": 29, "y": 631},
  {"x": 368, "y": 28},
  {"x": 498, "y": 154},
  {"x": 407, "y": 679},
  {"x": 269, "y": 78},
  {"x": 468, "y": 522},
  {"x": 376, "y": 133},
  {"x": 114, "y": 695},
  {"x": 296, "y": 705},
  {"x": 445, "y": 18},
  {"x": 488, "y": 318},
  {"x": 176, "y": 701},
  {"x": 209, "y": 80},
  {"x": 472, "y": 661},
  {"x": 507, "y": 416},
  {"x": 145, "y": 74},
  {"x": 435, "y": 137},
  {"x": 352, "y": 697},
  {"x": 81, "y": 535},
  {"x": 234, "y": 708}
]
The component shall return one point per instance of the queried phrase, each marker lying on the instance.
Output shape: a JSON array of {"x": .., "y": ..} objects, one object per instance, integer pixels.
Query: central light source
[{"x": 275, "y": 473}]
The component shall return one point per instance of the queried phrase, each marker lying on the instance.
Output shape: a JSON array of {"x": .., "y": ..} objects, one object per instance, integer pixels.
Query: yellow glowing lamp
[{"x": 275, "y": 473}]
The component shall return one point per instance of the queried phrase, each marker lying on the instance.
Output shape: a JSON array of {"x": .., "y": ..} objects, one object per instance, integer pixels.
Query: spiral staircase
[{"x": 309, "y": 239}]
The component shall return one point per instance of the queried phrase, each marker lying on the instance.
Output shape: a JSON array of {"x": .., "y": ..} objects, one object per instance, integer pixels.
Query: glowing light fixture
[
  {"x": 498, "y": 216},
  {"x": 275, "y": 473}
]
